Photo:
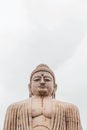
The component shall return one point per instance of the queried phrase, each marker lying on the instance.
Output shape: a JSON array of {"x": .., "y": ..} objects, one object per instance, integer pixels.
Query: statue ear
[
  {"x": 55, "y": 88},
  {"x": 29, "y": 88}
]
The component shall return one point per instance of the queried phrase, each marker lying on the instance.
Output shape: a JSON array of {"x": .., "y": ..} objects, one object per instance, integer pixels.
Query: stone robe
[{"x": 65, "y": 116}]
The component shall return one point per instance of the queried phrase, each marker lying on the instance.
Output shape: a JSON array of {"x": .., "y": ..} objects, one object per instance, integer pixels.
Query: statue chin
[{"x": 43, "y": 92}]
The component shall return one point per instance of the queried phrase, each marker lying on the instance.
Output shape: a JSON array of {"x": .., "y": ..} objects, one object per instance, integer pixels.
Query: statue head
[{"x": 42, "y": 81}]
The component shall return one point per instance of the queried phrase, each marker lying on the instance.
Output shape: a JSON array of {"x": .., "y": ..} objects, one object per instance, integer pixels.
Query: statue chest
[{"x": 41, "y": 107}]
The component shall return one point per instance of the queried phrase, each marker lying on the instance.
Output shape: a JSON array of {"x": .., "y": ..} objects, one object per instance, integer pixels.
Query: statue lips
[{"x": 42, "y": 89}]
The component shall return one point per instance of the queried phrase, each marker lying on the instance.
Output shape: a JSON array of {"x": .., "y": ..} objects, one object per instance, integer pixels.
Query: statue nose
[{"x": 42, "y": 81}]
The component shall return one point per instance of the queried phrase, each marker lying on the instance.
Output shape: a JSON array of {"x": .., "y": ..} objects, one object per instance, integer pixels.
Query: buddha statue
[{"x": 41, "y": 111}]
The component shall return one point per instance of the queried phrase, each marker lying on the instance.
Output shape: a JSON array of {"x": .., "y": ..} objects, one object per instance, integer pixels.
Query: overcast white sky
[{"x": 53, "y": 32}]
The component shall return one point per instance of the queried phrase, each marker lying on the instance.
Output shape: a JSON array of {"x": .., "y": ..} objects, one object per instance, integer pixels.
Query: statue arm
[
  {"x": 10, "y": 118},
  {"x": 73, "y": 118},
  {"x": 18, "y": 116}
]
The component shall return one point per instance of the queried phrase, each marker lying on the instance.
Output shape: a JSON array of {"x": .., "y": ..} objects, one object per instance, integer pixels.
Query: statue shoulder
[
  {"x": 72, "y": 115},
  {"x": 15, "y": 112},
  {"x": 15, "y": 106},
  {"x": 71, "y": 107},
  {"x": 68, "y": 107},
  {"x": 71, "y": 112}
]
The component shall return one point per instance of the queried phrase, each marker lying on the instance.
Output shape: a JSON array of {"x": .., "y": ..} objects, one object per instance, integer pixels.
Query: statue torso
[
  {"x": 42, "y": 115},
  {"x": 41, "y": 110}
]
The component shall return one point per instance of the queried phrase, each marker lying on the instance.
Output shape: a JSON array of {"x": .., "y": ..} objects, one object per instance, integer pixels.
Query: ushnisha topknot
[{"x": 42, "y": 67}]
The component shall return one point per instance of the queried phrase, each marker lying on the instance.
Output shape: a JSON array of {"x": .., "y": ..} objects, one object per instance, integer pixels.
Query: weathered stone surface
[{"x": 42, "y": 111}]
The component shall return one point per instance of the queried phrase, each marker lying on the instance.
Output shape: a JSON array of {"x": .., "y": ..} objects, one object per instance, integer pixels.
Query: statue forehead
[{"x": 42, "y": 73}]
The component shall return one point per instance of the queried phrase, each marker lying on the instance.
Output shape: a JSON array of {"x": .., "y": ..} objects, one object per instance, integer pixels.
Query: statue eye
[
  {"x": 47, "y": 79},
  {"x": 36, "y": 79}
]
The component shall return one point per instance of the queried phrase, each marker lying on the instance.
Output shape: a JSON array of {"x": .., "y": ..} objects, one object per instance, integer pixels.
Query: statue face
[{"x": 42, "y": 84}]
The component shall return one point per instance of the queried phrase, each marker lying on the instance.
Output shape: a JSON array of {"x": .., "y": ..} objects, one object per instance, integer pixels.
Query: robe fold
[{"x": 65, "y": 116}]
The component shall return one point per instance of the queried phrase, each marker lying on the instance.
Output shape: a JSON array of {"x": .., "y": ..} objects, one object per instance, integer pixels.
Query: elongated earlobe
[
  {"x": 55, "y": 88},
  {"x": 53, "y": 95},
  {"x": 30, "y": 93}
]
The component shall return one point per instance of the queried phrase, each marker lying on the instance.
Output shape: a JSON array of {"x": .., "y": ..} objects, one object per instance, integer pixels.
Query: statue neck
[{"x": 41, "y": 97}]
